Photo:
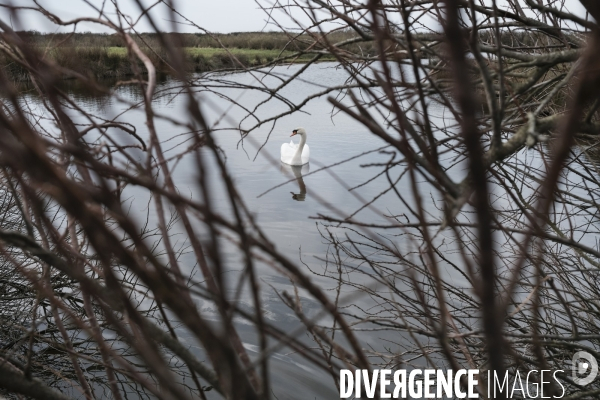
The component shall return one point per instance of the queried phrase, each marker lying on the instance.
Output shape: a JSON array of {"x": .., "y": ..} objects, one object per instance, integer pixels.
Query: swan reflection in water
[{"x": 297, "y": 171}]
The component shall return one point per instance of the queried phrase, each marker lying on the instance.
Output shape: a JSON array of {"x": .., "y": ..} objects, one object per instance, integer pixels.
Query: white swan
[{"x": 293, "y": 154}]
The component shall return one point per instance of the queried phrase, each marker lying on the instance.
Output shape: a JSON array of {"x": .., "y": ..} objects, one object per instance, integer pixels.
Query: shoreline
[
  {"x": 114, "y": 62},
  {"x": 101, "y": 57}
]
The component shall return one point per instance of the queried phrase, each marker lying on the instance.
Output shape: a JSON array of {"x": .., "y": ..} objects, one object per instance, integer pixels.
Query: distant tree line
[
  {"x": 240, "y": 40},
  {"x": 101, "y": 55}
]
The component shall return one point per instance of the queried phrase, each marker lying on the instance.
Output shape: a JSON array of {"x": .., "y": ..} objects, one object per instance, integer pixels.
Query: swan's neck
[{"x": 298, "y": 154}]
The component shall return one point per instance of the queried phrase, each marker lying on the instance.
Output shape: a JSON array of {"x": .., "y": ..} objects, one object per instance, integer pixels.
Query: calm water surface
[{"x": 283, "y": 212}]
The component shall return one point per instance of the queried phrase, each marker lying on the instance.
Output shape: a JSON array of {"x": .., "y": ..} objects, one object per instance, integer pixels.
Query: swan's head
[{"x": 298, "y": 131}]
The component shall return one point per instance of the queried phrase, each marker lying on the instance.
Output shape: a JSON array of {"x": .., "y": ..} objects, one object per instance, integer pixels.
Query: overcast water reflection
[{"x": 283, "y": 198}]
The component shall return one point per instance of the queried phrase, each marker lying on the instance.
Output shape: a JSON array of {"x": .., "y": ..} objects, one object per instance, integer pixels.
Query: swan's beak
[{"x": 294, "y": 133}]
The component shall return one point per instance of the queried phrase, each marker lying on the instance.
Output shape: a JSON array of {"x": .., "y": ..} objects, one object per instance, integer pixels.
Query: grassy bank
[
  {"x": 113, "y": 62},
  {"x": 104, "y": 56}
]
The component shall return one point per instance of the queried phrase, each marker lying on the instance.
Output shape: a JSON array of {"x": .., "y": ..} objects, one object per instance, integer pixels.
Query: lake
[
  {"x": 338, "y": 181},
  {"x": 343, "y": 178}
]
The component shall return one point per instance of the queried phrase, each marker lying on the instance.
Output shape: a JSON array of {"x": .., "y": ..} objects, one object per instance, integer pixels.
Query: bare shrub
[{"x": 492, "y": 263}]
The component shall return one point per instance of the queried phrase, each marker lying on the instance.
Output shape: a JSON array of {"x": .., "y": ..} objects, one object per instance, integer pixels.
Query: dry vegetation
[
  {"x": 105, "y": 56},
  {"x": 489, "y": 260}
]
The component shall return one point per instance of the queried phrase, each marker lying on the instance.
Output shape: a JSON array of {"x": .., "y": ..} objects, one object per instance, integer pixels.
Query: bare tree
[{"x": 493, "y": 265}]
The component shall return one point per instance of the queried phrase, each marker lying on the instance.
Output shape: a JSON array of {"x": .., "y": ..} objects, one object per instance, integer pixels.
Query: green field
[
  {"x": 105, "y": 56},
  {"x": 208, "y": 52},
  {"x": 101, "y": 61}
]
